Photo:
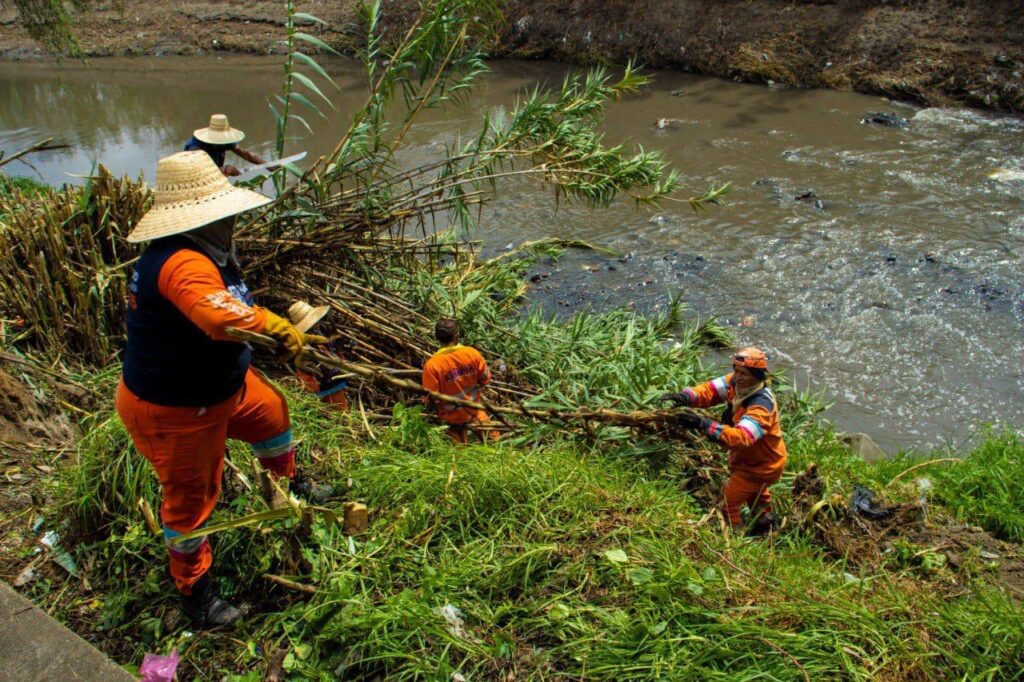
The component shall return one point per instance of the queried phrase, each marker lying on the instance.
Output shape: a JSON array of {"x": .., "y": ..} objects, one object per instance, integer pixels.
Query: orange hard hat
[{"x": 752, "y": 358}]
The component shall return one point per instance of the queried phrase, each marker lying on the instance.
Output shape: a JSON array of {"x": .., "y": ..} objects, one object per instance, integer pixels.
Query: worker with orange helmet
[{"x": 749, "y": 428}]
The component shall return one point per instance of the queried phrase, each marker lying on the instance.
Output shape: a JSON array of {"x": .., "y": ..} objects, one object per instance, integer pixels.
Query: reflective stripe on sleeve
[
  {"x": 752, "y": 428},
  {"x": 721, "y": 388}
]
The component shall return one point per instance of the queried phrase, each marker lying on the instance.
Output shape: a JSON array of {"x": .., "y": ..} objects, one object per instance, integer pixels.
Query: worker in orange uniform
[
  {"x": 316, "y": 378},
  {"x": 186, "y": 386},
  {"x": 459, "y": 371},
  {"x": 749, "y": 428}
]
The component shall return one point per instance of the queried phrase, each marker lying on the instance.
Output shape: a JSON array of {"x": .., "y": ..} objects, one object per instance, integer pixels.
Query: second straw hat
[
  {"x": 304, "y": 316},
  {"x": 219, "y": 132},
  {"x": 191, "y": 192}
]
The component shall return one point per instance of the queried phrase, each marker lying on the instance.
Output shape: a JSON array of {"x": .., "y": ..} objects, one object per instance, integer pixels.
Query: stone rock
[
  {"x": 37, "y": 647},
  {"x": 861, "y": 445}
]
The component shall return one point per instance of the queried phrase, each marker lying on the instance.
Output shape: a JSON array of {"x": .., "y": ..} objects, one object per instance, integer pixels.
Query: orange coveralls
[
  {"x": 335, "y": 396},
  {"x": 751, "y": 432},
  {"x": 457, "y": 371},
  {"x": 186, "y": 444}
]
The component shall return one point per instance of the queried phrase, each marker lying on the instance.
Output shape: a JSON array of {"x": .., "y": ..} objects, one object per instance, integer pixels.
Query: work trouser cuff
[
  {"x": 277, "y": 454},
  {"x": 281, "y": 466},
  {"x": 190, "y": 559}
]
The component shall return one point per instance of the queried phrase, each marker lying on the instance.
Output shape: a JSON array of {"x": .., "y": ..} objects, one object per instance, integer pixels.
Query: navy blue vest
[
  {"x": 217, "y": 152},
  {"x": 169, "y": 360}
]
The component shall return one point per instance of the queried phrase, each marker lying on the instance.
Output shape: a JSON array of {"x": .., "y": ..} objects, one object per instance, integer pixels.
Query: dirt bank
[{"x": 928, "y": 51}]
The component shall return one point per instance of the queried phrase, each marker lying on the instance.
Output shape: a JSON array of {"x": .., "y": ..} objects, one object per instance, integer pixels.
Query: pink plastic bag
[{"x": 159, "y": 668}]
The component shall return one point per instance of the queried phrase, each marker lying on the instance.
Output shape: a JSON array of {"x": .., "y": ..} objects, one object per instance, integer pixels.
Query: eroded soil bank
[{"x": 928, "y": 51}]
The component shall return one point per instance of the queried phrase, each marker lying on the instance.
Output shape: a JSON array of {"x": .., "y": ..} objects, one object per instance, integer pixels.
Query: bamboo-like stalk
[{"x": 380, "y": 375}]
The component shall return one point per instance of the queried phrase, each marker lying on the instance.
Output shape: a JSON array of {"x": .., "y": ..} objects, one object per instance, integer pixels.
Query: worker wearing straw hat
[
  {"x": 749, "y": 428},
  {"x": 219, "y": 138},
  {"x": 316, "y": 378},
  {"x": 186, "y": 386}
]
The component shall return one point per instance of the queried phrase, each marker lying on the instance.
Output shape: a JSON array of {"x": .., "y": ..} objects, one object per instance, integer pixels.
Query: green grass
[
  {"x": 12, "y": 186},
  {"x": 564, "y": 562},
  {"x": 27, "y": 186},
  {"x": 987, "y": 486},
  {"x": 567, "y": 557}
]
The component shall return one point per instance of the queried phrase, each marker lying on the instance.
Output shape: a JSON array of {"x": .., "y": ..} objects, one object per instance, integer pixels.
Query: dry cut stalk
[{"x": 382, "y": 375}]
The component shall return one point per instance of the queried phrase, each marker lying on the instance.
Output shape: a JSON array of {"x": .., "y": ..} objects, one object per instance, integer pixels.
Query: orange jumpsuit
[
  {"x": 751, "y": 432},
  {"x": 334, "y": 395},
  {"x": 185, "y": 443},
  {"x": 457, "y": 371}
]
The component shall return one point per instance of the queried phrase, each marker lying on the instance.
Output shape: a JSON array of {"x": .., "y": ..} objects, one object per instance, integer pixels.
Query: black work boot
[
  {"x": 205, "y": 608},
  {"x": 763, "y": 525},
  {"x": 308, "y": 489}
]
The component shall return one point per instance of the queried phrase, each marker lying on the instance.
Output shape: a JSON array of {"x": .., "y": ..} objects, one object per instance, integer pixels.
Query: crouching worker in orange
[
  {"x": 317, "y": 378},
  {"x": 186, "y": 386},
  {"x": 749, "y": 429},
  {"x": 459, "y": 371}
]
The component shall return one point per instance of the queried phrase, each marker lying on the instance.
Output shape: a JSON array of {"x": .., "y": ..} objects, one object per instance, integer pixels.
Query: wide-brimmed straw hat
[
  {"x": 219, "y": 132},
  {"x": 191, "y": 192},
  {"x": 304, "y": 316}
]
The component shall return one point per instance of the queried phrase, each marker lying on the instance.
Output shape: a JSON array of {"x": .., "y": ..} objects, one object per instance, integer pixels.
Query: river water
[{"x": 897, "y": 288}]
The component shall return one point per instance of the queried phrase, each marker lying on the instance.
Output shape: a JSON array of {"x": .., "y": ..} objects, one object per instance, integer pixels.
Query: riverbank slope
[{"x": 928, "y": 51}]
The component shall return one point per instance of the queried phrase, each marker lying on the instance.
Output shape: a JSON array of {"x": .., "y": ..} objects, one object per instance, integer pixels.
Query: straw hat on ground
[
  {"x": 304, "y": 316},
  {"x": 219, "y": 132},
  {"x": 191, "y": 192}
]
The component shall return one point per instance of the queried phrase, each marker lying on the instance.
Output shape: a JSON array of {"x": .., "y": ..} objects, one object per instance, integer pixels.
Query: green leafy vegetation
[
  {"x": 555, "y": 560},
  {"x": 26, "y": 186},
  {"x": 49, "y": 22},
  {"x": 987, "y": 486},
  {"x": 553, "y": 556}
]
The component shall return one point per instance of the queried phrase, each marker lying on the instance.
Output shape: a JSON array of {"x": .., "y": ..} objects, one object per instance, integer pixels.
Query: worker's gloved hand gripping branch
[
  {"x": 749, "y": 428},
  {"x": 290, "y": 339}
]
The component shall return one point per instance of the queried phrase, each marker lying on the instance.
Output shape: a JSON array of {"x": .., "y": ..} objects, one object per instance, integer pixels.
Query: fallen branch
[
  {"x": 147, "y": 514},
  {"x": 43, "y": 146},
  {"x": 918, "y": 466},
  {"x": 290, "y": 584},
  {"x": 382, "y": 375}
]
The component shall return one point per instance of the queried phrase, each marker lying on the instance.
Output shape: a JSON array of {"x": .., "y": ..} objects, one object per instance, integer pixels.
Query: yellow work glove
[{"x": 290, "y": 340}]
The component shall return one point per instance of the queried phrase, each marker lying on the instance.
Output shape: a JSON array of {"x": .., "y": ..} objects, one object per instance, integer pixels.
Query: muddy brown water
[{"x": 896, "y": 287}]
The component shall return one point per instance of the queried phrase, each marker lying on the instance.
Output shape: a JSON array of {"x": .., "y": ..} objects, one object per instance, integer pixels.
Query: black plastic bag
[{"x": 863, "y": 503}]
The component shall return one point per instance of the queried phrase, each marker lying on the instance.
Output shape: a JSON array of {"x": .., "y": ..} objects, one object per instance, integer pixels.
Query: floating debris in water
[
  {"x": 887, "y": 119},
  {"x": 1007, "y": 175}
]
